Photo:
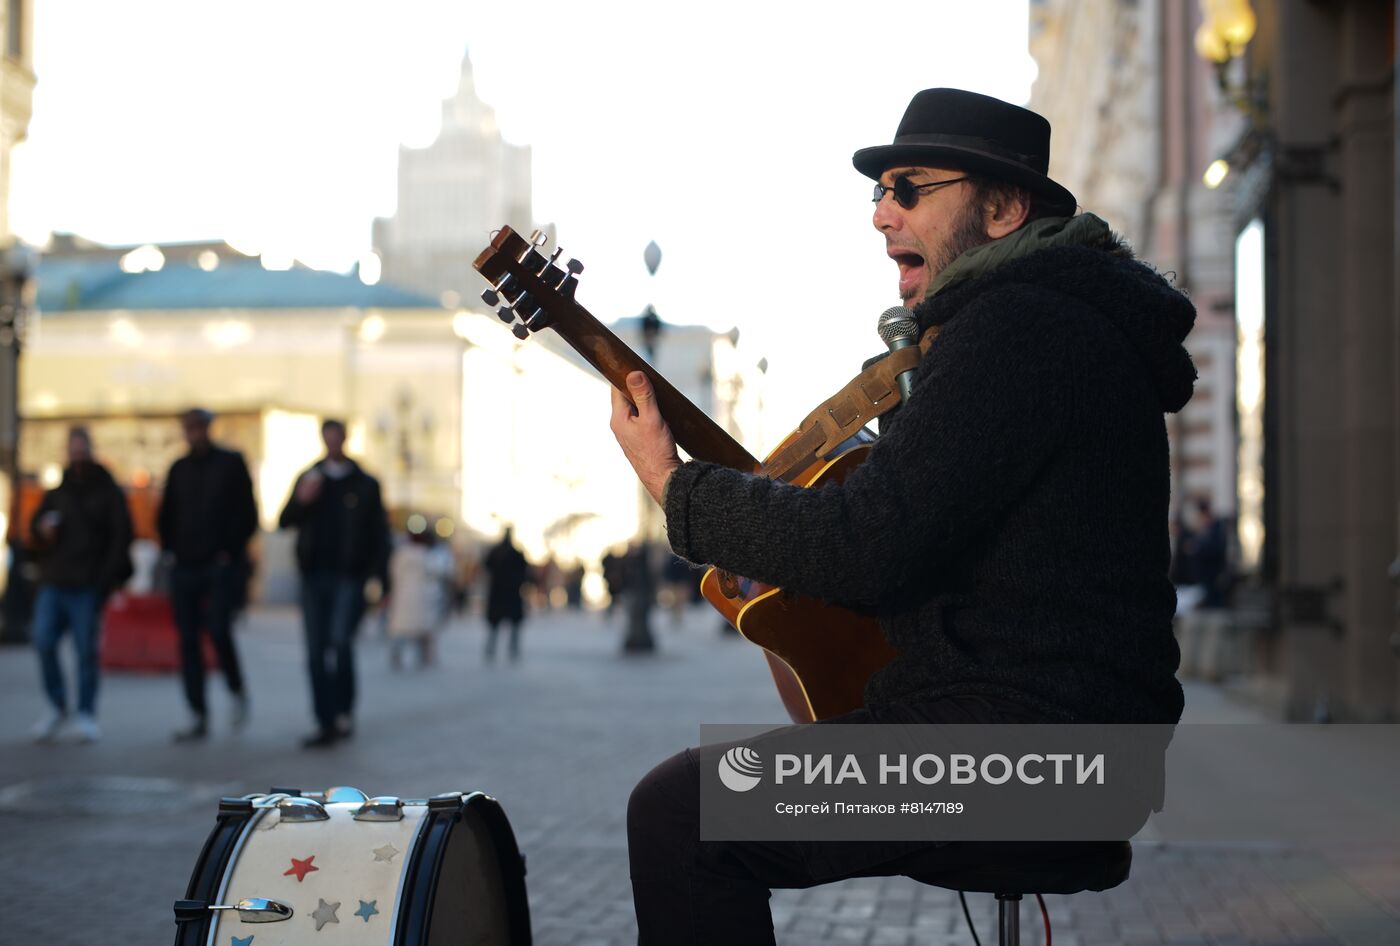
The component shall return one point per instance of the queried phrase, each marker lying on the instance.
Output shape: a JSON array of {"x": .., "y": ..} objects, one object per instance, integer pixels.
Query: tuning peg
[
  {"x": 539, "y": 238},
  {"x": 574, "y": 266},
  {"x": 505, "y": 314},
  {"x": 520, "y": 331},
  {"x": 525, "y": 303},
  {"x": 491, "y": 297}
]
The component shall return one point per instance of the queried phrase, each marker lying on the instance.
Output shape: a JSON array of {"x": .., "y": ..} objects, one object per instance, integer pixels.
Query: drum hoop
[
  {"x": 211, "y": 868},
  {"x": 513, "y": 863},
  {"x": 428, "y": 857},
  {"x": 412, "y": 858},
  {"x": 231, "y": 862},
  {"x": 431, "y": 844}
]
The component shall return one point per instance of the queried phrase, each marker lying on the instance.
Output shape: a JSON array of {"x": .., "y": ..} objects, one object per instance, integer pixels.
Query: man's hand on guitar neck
[{"x": 645, "y": 439}]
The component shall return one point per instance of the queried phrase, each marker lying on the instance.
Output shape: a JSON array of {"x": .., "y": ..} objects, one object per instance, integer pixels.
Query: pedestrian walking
[
  {"x": 207, "y": 517},
  {"x": 678, "y": 577},
  {"x": 82, "y": 537},
  {"x": 342, "y": 542},
  {"x": 1211, "y": 557},
  {"x": 507, "y": 570},
  {"x": 420, "y": 574},
  {"x": 573, "y": 587},
  {"x": 614, "y": 568},
  {"x": 641, "y": 597},
  {"x": 1209, "y": 646}
]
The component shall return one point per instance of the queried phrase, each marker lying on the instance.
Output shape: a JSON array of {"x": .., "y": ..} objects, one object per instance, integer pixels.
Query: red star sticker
[{"x": 301, "y": 868}]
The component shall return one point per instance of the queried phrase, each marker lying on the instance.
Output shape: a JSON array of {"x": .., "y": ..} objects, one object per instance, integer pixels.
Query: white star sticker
[
  {"x": 325, "y": 913},
  {"x": 385, "y": 853}
]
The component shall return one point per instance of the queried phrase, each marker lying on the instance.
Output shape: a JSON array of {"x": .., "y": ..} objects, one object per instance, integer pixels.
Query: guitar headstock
[{"x": 528, "y": 288}]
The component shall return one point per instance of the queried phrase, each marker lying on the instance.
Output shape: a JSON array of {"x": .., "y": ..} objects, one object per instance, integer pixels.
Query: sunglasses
[{"x": 906, "y": 193}]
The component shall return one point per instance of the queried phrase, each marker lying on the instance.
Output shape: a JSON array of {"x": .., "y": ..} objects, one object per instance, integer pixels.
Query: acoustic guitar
[{"x": 820, "y": 655}]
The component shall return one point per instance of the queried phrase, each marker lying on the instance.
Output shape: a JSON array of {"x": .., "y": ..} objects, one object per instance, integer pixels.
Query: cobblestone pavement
[{"x": 97, "y": 841}]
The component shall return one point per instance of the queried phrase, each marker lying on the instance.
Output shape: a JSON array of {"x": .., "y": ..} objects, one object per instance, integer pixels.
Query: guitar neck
[
  {"x": 509, "y": 260},
  {"x": 693, "y": 429}
]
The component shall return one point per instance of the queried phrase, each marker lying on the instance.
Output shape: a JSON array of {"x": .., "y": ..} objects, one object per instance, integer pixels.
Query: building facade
[
  {"x": 1317, "y": 196},
  {"x": 16, "y": 92},
  {"x": 1291, "y": 260},
  {"x": 445, "y": 406},
  {"x": 451, "y": 195},
  {"x": 458, "y": 418},
  {"x": 1137, "y": 119}
]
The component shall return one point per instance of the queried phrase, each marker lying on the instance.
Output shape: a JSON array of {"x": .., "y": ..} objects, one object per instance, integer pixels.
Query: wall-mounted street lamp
[{"x": 1226, "y": 28}]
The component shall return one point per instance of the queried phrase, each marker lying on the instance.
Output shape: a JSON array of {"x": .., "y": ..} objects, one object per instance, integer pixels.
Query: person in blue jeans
[
  {"x": 342, "y": 542},
  {"x": 82, "y": 536}
]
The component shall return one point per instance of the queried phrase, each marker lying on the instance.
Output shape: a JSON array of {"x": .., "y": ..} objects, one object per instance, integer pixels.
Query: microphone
[{"x": 898, "y": 329}]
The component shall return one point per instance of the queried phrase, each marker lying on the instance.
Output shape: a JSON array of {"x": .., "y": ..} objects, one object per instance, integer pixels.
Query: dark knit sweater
[{"x": 1009, "y": 527}]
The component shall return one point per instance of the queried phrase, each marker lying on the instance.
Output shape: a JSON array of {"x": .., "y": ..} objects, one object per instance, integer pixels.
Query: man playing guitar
[{"x": 1009, "y": 527}]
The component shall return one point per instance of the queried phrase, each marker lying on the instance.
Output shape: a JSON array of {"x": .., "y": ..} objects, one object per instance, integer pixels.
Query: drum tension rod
[{"x": 250, "y": 910}]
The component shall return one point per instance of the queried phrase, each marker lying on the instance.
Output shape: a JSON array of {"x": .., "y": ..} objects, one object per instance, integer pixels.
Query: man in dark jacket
[
  {"x": 342, "y": 541},
  {"x": 207, "y": 517},
  {"x": 1009, "y": 528},
  {"x": 82, "y": 534},
  {"x": 507, "y": 570}
]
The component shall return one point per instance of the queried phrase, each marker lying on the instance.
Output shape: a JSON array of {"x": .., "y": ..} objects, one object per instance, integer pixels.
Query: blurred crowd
[{"x": 161, "y": 585}]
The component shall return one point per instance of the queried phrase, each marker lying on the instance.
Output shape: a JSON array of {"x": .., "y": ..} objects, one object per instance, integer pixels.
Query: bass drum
[{"x": 283, "y": 867}]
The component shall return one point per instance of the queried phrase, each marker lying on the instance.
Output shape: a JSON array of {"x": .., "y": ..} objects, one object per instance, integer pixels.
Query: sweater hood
[{"x": 1102, "y": 273}]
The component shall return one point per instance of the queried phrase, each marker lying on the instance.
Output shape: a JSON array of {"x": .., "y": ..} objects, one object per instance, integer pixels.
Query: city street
[{"x": 97, "y": 841}]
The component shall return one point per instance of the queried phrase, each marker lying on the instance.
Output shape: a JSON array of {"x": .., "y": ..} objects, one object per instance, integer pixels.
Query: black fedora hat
[{"x": 972, "y": 132}]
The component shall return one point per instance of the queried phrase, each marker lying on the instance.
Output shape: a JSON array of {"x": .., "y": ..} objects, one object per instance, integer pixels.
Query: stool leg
[{"x": 1009, "y": 919}]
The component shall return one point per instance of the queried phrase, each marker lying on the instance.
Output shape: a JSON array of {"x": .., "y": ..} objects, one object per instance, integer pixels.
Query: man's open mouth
[{"x": 911, "y": 271}]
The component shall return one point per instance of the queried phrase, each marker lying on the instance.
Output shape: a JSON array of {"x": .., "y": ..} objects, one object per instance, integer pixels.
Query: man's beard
[{"x": 968, "y": 233}]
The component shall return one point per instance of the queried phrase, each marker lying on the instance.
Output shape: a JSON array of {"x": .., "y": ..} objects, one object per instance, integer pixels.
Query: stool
[{"x": 1013, "y": 869}]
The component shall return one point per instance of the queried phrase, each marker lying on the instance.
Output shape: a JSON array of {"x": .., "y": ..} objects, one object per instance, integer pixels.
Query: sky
[{"x": 723, "y": 131}]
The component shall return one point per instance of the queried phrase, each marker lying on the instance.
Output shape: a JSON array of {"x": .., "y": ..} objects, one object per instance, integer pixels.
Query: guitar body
[{"x": 820, "y": 655}]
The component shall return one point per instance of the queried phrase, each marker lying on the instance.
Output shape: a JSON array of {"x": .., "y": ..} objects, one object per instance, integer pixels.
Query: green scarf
[{"x": 1081, "y": 230}]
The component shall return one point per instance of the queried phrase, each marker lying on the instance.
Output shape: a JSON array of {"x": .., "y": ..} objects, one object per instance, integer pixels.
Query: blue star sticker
[
  {"x": 367, "y": 910},
  {"x": 242, "y": 941}
]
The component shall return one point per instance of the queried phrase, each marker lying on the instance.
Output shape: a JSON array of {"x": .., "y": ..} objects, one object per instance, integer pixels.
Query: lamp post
[
  {"x": 407, "y": 435},
  {"x": 641, "y": 585}
]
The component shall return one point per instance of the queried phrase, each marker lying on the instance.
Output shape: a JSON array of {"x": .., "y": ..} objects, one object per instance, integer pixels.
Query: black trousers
[
  {"x": 715, "y": 893},
  {"x": 202, "y": 596}
]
